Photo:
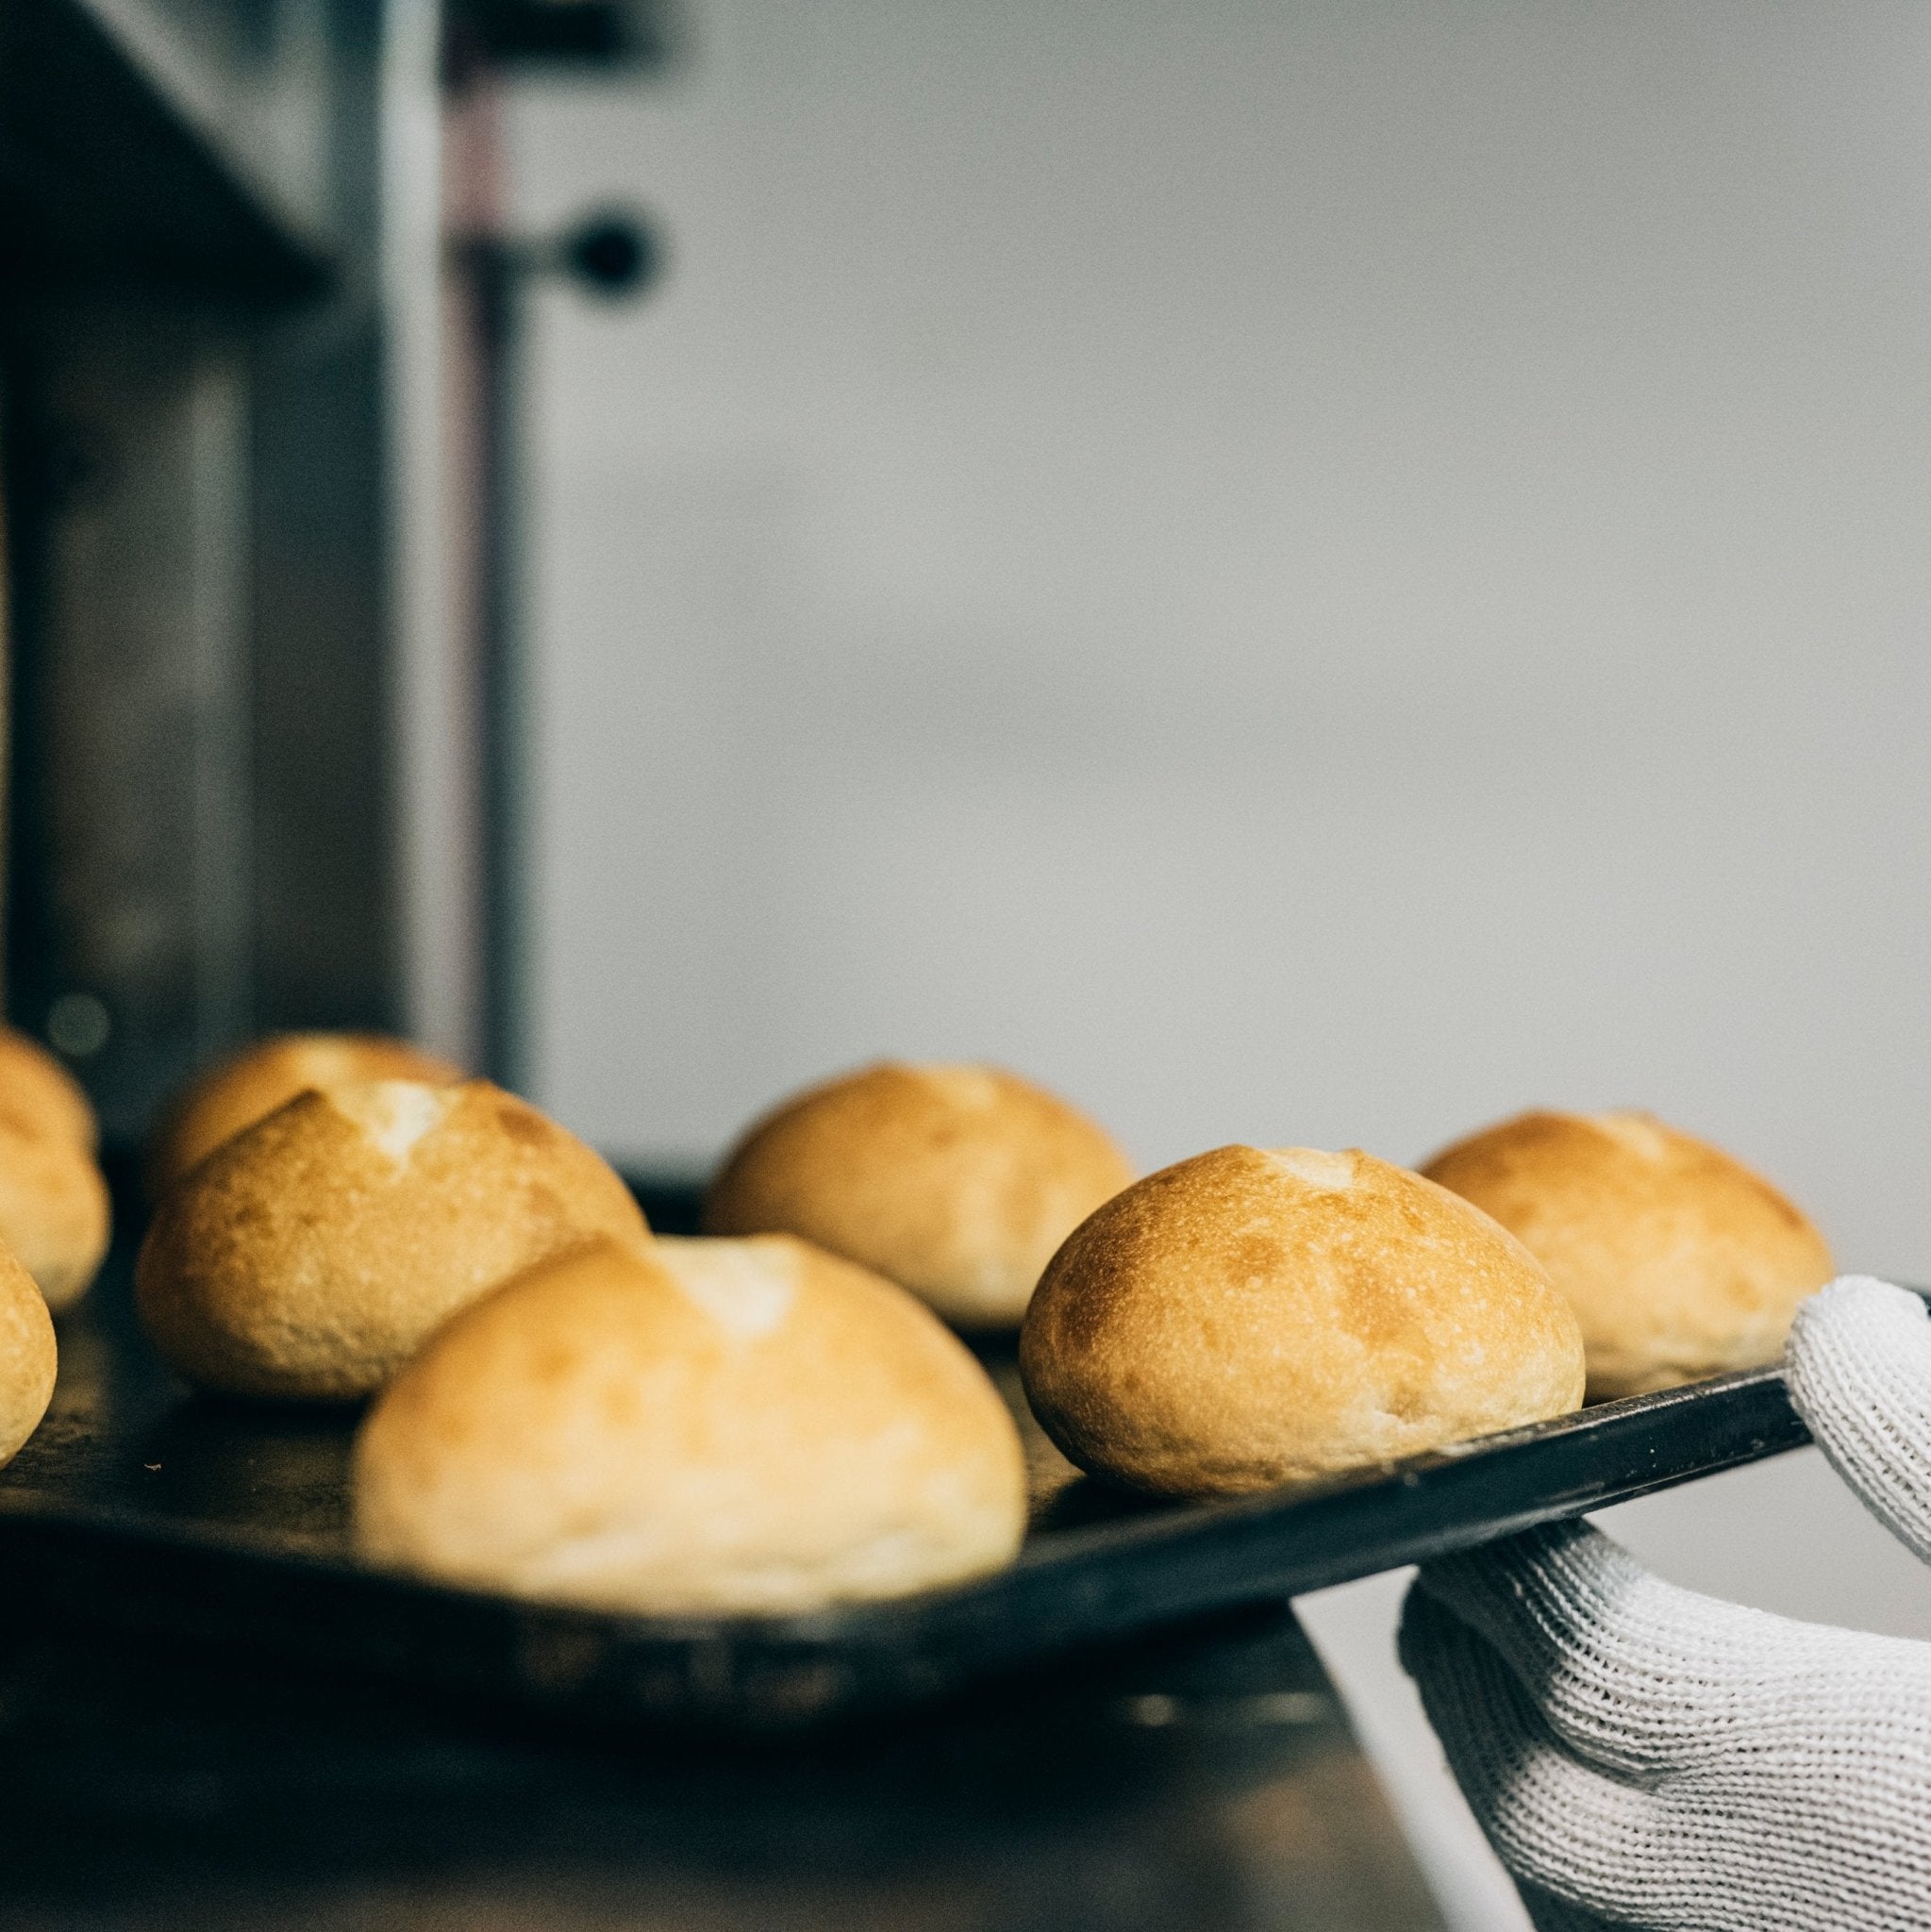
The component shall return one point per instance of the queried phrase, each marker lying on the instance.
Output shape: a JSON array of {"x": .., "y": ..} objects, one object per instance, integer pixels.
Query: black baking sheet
[{"x": 142, "y": 1506}]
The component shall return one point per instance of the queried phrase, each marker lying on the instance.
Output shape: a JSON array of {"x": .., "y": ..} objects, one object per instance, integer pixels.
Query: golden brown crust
[
  {"x": 41, "y": 1093},
  {"x": 54, "y": 1210},
  {"x": 250, "y": 1085},
  {"x": 694, "y": 1425},
  {"x": 27, "y": 1356},
  {"x": 1249, "y": 1317},
  {"x": 956, "y": 1182},
  {"x": 311, "y": 1255},
  {"x": 1679, "y": 1259}
]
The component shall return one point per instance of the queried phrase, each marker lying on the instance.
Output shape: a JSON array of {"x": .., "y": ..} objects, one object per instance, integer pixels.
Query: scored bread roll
[
  {"x": 1253, "y": 1317},
  {"x": 1678, "y": 1260},
  {"x": 38, "y": 1090},
  {"x": 27, "y": 1356},
  {"x": 54, "y": 1212},
  {"x": 250, "y": 1085},
  {"x": 957, "y": 1182},
  {"x": 311, "y": 1255},
  {"x": 693, "y": 1425}
]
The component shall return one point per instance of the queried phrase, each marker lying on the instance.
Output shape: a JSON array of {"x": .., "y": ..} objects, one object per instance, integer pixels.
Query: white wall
[
  {"x": 1306, "y": 573},
  {"x": 1316, "y": 572}
]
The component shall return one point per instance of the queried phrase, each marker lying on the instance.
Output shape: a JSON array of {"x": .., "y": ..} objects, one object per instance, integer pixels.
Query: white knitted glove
[{"x": 1639, "y": 1755}]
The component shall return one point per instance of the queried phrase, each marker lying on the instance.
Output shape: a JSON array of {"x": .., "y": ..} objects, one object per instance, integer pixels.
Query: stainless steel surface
[
  {"x": 1205, "y": 1784},
  {"x": 134, "y": 685}
]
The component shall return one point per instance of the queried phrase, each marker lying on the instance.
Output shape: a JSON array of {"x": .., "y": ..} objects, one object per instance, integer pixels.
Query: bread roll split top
[
  {"x": 311, "y": 1254},
  {"x": 27, "y": 1356},
  {"x": 1680, "y": 1261},
  {"x": 957, "y": 1182},
  {"x": 690, "y": 1426},
  {"x": 250, "y": 1085},
  {"x": 1251, "y": 1317}
]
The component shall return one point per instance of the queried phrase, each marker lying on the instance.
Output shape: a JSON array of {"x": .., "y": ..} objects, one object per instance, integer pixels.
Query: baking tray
[{"x": 142, "y": 1506}]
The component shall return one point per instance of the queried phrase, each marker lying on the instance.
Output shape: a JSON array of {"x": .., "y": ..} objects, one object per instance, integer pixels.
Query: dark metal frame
[
  {"x": 191, "y": 343},
  {"x": 141, "y": 235}
]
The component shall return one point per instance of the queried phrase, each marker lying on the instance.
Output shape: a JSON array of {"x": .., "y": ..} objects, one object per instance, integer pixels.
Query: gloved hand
[{"x": 1639, "y": 1755}]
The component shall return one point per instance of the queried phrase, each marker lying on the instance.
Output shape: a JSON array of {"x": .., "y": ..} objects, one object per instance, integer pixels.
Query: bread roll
[
  {"x": 38, "y": 1091},
  {"x": 53, "y": 1211},
  {"x": 956, "y": 1182},
  {"x": 244, "y": 1088},
  {"x": 1251, "y": 1318},
  {"x": 1680, "y": 1262},
  {"x": 27, "y": 1356},
  {"x": 694, "y": 1425},
  {"x": 311, "y": 1255}
]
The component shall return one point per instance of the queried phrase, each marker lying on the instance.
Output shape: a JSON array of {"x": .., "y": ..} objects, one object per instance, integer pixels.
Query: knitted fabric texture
[{"x": 1639, "y": 1755}]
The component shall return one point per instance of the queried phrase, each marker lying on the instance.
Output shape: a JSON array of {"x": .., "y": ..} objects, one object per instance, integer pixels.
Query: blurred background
[{"x": 1312, "y": 574}]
